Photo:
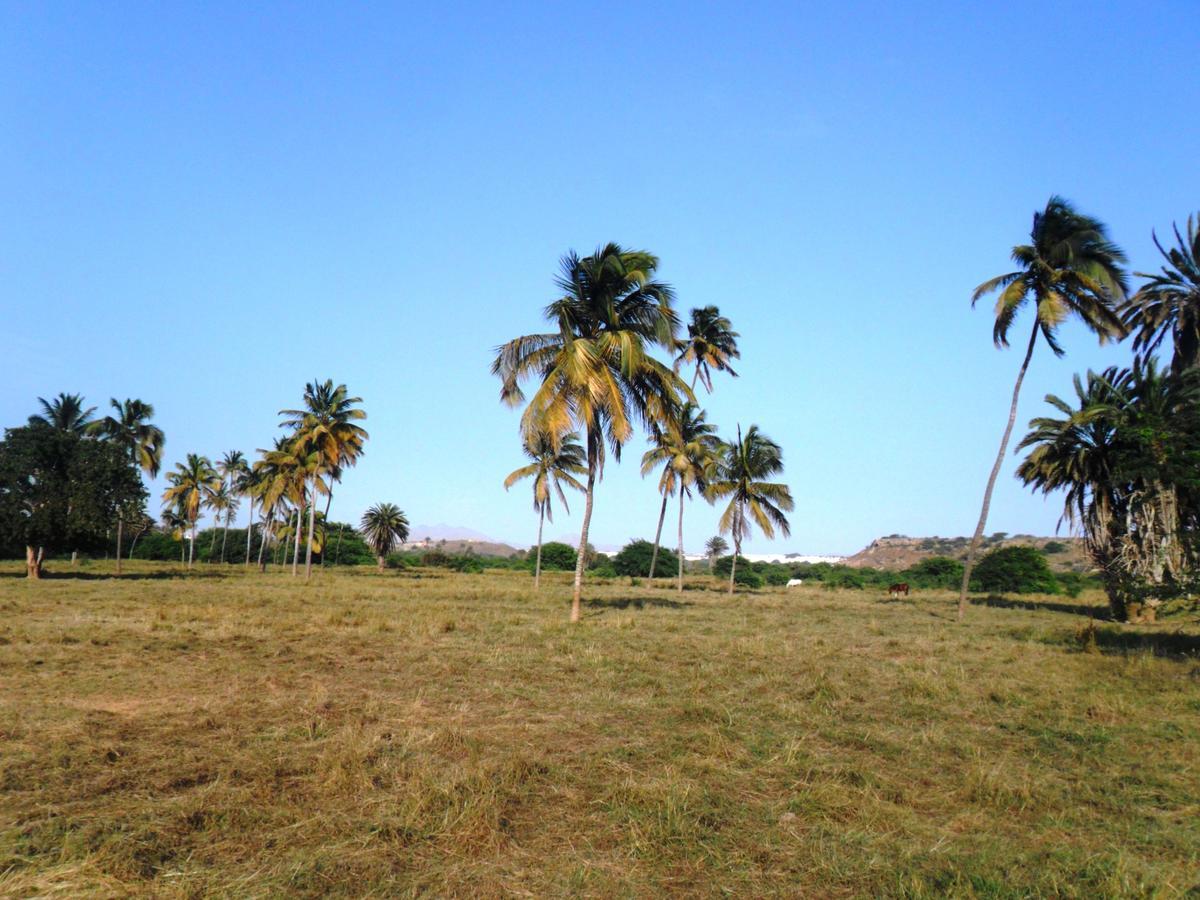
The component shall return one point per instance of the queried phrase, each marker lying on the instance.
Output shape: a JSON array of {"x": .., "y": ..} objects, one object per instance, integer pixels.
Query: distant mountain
[
  {"x": 444, "y": 532},
  {"x": 479, "y": 548},
  {"x": 899, "y": 551}
]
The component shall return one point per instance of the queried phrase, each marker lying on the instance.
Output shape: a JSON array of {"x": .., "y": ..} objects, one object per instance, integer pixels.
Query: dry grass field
[{"x": 425, "y": 733}]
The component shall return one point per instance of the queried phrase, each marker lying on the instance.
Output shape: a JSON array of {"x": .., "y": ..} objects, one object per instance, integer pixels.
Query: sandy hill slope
[
  {"x": 898, "y": 551},
  {"x": 479, "y": 548}
]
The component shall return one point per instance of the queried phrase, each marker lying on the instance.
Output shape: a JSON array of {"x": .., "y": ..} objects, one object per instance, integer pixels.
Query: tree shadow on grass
[
  {"x": 635, "y": 602},
  {"x": 1173, "y": 644},
  {"x": 68, "y": 575},
  {"x": 1077, "y": 609}
]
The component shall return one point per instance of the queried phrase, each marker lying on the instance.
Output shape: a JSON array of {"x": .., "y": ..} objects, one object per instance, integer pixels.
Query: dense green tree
[
  {"x": 1021, "y": 570},
  {"x": 1069, "y": 268},
  {"x": 60, "y": 490},
  {"x": 559, "y": 556},
  {"x": 553, "y": 464},
  {"x": 740, "y": 474},
  {"x": 634, "y": 558},
  {"x": 595, "y": 372}
]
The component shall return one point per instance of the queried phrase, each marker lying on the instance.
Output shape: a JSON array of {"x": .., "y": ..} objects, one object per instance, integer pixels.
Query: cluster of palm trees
[
  {"x": 597, "y": 378},
  {"x": 1126, "y": 453},
  {"x": 286, "y": 482},
  {"x": 129, "y": 428}
]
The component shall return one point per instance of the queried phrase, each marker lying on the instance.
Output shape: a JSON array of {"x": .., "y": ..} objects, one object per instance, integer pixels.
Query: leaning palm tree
[
  {"x": 1070, "y": 267},
  {"x": 327, "y": 427},
  {"x": 595, "y": 371},
  {"x": 1169, "y": 303},
  {"x": 64, "y": 413},
  {"x": 296, "y": 469},
  {"x": 685, "y": 447},
  {"x": 553, "y": 464},
  {"x": 715, "y": 546},
  {"x": 232, "y": 467},
  {"x": 191, "y": 485},
  {"x": 740, "y": 474},
  {"x": 384, "y": 526},
  {"x": 711, "y": 343},
  {"x": 131, "y": 430}
]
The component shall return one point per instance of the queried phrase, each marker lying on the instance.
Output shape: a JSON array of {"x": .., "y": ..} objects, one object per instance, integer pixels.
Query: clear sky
[{"x": 207, "y": 205}]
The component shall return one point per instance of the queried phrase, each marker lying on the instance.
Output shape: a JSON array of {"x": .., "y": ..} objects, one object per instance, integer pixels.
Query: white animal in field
[{"x": 795, "y": 582}]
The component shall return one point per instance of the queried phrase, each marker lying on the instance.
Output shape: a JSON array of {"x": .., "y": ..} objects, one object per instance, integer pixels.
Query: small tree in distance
[{"x": 384, "y": 526}]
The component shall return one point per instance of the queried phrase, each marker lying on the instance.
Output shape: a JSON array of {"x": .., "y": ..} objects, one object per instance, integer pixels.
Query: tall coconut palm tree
[
  {"x": 131, "y": 430},
  {"x": 1169, "y": 303},
  {"x": 295, "y": 468},
  {"x": 1070, "y": 267},
  {"x": 384, "y": 526},
  {"x": 686, "y": 447},
  {"x": 553, "y": 464},
  {"x": 327, "y": 426},
  {"x": 595, "y": 370},
  {"x": 224, "y": 504},
  {"x": 248, "y": 485},
  {"x": 711, "y": 343},
  {"x": 175, "y": 523},
  {"x": 740, "y": 474},
  {"x": 191, "y": 485},
  {"x": 64, "y": 413},
  {"x": 232, "y": 466}
]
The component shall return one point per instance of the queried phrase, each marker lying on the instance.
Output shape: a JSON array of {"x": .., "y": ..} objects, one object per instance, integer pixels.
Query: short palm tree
[
  {"x": 711, "y": 343},
  {"x": 191, "y": 485},
  {"x": 64, "y": 413},
  {"x": 686, "y": 448},
  {"x": 175, "y": 523},
  {"x": 740, "y": 474},
  {"x": 715, "y": 547},
  {"x": 131, "y": 430},
  {"x": 384, "y": 526},
  {"x": 1169, "y": 303},
  {"x": 553, "y": 464},
  {"x": 327, "y": 426},
  {"x": 1109, "y": 455},
  {"x": 595, "y": 372},
  {"x": 1070, "y": 267}
]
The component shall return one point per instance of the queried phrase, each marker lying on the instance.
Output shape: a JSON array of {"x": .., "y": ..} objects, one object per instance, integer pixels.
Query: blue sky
[{"x": 208, "y": 205}]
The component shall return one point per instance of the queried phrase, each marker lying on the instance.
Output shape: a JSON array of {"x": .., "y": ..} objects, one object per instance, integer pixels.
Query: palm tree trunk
[
  {"x": 681, "y": 539},
  {"x": 662, "y": 514},
  {"x": 593, "y": 438},
  {"x": 337, "y": 556},
  {"x": 737, "y": 545},
  {"x": 296, "y": 542},
  {"x": 120, "y": 534},
  {"x": 212, "y": 545},
  {"x": 249, "y": 530},
  {"x": 33, "y": 563},
  {"x": 537, "y": 569},
  {"x": 262, "y": 540},
  {"x": 192, "y": 545},
  {"x": 312, "y": 518},
  {"x": 325, "y": 525},
  {"x": 225, "y": 536},
  {"x": 987, "y": 494}
]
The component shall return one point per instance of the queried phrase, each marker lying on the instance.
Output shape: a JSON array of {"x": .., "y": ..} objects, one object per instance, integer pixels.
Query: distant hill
[
  {"x": 479, "y": 548},
  {"x": 443, "y": 532},
  {"x": 899, "y": 551}
]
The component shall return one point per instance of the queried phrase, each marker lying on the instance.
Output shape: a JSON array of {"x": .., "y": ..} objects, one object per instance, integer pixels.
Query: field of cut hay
[{"x": 429, "y": 733}]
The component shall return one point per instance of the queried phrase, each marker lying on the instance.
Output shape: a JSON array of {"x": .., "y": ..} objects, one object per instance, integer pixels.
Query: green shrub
[
  {"x": 555, "y": 556},
  {"x": 775, "y": 574},
  {"x": 634, "y": 559},
  {"x": 846, "y": 579},
  {"x": 1015, "y": 570},
  {"x": 935, "y": 572},
  {"x": 396, "y": 561},
  {"x": 721, "y": 567},
  {"x": 1054, "y": 547}
]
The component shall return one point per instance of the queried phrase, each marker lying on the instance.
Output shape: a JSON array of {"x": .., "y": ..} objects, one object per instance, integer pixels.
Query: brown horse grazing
[{"x": 897, "y": 589}]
